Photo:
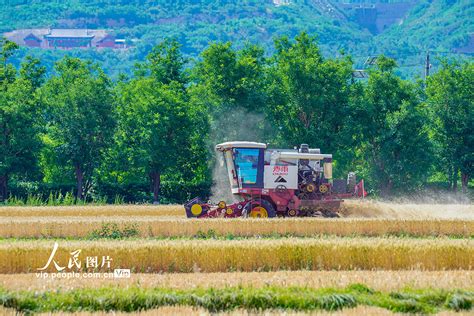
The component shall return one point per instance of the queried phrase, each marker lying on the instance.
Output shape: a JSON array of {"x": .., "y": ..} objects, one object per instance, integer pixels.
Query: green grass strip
[{"x": 133, "y": 299}]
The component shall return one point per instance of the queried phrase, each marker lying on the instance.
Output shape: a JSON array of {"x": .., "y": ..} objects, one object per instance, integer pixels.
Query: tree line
[{"x": 75, "y": 127}]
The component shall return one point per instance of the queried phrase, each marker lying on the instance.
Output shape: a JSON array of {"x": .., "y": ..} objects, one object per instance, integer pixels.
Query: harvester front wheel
[{"x": 259, "y": 209}]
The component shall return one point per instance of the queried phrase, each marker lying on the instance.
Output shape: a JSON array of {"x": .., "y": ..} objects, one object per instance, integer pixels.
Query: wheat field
[
  {"x": 253, "y": 254},
  {"x": 351, "y": 209},
  {"x": 92, "y": 211},
  {"x": 384, "y": 246},
  {"x": 147, "y": 226},
  {"x": 378, "y": 280}
]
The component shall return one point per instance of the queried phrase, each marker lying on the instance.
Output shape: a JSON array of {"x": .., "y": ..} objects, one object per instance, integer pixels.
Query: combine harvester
[{"x": 278, "y": 182}]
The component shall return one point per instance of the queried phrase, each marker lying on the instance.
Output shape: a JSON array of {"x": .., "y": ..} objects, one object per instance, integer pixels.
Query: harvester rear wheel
[{"x": 259, "y": 209}]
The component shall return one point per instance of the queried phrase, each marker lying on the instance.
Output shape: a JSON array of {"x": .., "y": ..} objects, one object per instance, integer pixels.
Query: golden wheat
[
  {"x": 351, "y": 208},
  {"x": 378, "y": 280},
  {"x": 171, "y": 227},
  {"x": 92, "y": 210},
  {"x": 251, "y": 254}
]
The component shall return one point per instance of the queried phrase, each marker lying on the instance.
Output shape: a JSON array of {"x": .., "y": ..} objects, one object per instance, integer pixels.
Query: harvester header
[{"x": 278, "y": 182}]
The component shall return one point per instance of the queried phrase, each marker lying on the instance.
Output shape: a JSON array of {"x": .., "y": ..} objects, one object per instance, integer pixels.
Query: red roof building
[
  {"x": 108, "y": 41},
  {"x": 32, "y": 40},
  {"x": 69, "y": 38}
]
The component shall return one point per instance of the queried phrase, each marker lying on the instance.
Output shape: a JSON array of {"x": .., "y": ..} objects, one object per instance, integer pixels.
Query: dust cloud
[
  {"x": 233, "y": 125},
  {"x": 220, "y": 190},
  {"x": 406, "y": 210}
]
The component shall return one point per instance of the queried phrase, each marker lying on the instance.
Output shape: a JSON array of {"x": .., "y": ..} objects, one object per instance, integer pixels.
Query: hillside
[
  {"x": 402, "y": 29},
  {"x": 445, "y": 28}
]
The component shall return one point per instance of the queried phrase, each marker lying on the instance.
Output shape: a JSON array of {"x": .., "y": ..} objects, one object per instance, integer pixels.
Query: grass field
[
  {"x": 185, "y": 310},
  {"x": 231, "y": 298},
  {"x": 404, "y": 258}
]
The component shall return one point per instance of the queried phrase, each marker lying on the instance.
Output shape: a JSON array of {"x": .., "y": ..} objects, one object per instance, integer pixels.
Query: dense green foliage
[
  {"x": 156, "y": 130},
  {"x": 440, "y": 26},
  {"x": 101, "y": 138},
  {"x": 396, "y": 150},
  {"x": 78, "y": 102},
  {"x": 424, "y": 301},
  {"x": 19, "y": 126},
  {"x": 309, "y": 94},
  {"x": 451, "y": 96}
]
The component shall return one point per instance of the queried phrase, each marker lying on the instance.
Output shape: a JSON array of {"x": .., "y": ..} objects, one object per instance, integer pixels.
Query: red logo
[{"x": 280, "y": 170}]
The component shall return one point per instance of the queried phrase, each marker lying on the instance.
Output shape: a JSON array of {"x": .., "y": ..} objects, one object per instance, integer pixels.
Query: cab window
[{"x": 246, "y": 164}]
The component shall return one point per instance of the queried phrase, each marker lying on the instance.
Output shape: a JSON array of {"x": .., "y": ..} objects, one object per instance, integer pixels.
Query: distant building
[
  {"x": 69, "y": 38},
  {"x": 65, "y": 38},
  {"x": 281, "y": 2},
  {"x": 32, "y": 40},
  {"x": 120, "y": 43},
  {"x": 107, "y": 41}
]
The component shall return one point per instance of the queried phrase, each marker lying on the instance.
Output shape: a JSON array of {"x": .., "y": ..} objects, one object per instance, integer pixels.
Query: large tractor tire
[{"x": 259, "y": 209}]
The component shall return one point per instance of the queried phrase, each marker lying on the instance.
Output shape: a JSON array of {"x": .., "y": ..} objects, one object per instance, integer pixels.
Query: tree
[
  {"x": 232, "y": 85},
  {"x": 159, "y": 130},
  {"x": 19, "y": 112},
  {"x": 81, "y": 117},
  {"x": 392, "y": 131},
  {"x": 451, "y": 101},
  {"x": 154, "y": 128},
  {"x": 166, "y": 63},
  {"x": 310, "y": 95},
  {"x": 234, "y": 78}
]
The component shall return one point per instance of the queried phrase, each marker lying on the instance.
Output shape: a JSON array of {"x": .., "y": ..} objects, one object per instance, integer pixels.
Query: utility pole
[{"x": 427, "y": 65}]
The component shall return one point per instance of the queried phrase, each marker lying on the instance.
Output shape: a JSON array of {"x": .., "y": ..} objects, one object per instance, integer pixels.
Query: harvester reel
[{"x": 196, "y": 208}]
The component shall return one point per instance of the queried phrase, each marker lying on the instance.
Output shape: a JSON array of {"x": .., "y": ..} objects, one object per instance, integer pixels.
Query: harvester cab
[{"x": 278, "y": 182}]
